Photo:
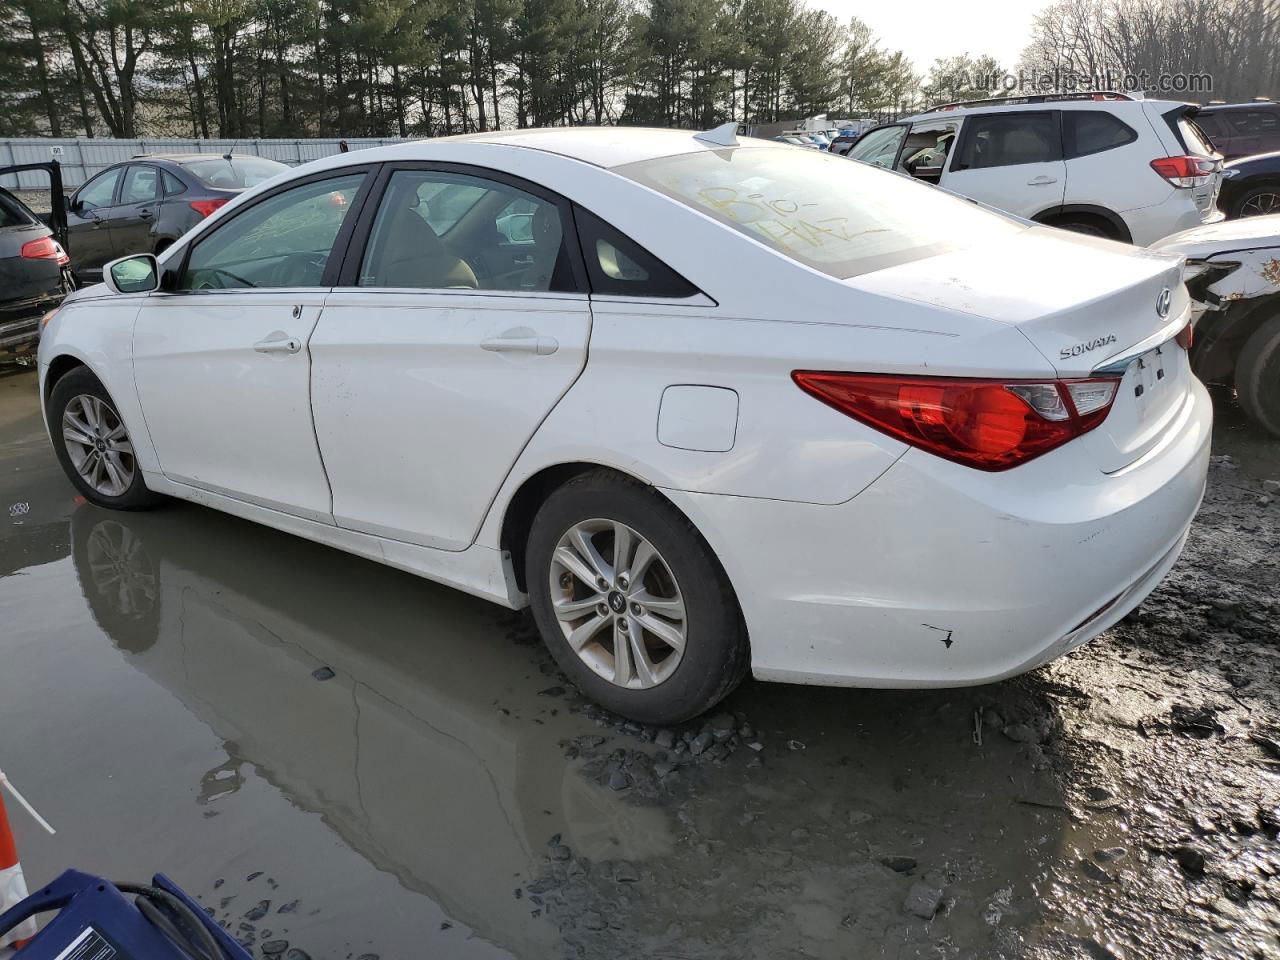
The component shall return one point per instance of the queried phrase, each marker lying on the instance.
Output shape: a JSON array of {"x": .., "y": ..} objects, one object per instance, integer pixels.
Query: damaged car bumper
[{"x": 1008, "y": 579}]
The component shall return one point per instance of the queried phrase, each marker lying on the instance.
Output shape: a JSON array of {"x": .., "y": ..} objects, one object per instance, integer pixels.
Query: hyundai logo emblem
[{"x": 1163, "y": 302}]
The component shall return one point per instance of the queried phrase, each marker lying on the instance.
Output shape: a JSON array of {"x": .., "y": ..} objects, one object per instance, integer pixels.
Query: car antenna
[
  {"x": 725, "y": 135},
  {"x": 227, "y": 156}
]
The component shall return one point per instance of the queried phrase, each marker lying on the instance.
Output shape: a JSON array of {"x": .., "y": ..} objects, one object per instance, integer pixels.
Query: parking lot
[{"x": 343, "y": 760}]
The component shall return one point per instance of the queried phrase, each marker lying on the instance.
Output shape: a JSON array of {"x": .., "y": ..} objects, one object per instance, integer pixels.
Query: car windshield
[
  {"x": 839, "y": 217},
  {"x": 235, "y": 173}
]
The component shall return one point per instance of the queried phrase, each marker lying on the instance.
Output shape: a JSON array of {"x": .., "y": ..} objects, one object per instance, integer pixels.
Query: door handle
[
  {"x": 278, "y": 342},
  {"x": 540, "y": 346},
  {"x": 144, "y": 214},
  {"x": 1041, "y": 181}
]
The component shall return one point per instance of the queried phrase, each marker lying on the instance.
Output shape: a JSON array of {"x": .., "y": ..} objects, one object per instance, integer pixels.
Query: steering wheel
[
  {"x": 299, "y": 269},
  {"x": 209, "y": 273}
]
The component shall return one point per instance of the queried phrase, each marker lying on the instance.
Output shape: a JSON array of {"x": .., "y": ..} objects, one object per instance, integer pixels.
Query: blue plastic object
[{"x": 95, "y": 921}]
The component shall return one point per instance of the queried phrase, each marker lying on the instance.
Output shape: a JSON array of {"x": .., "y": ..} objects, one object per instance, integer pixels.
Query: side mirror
[{"x": 137, "y": 274}]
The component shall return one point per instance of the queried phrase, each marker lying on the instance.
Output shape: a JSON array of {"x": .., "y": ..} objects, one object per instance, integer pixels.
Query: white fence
[{"x": 82, "y": 157}]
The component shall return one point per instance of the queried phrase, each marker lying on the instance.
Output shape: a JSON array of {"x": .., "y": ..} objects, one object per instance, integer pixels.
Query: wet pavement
[{"x": 345, "y": 761}]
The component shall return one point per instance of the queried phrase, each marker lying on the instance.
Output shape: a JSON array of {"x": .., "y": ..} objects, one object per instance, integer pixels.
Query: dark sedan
[
  {"x": 144, "y": 204},
  {"x": 1251, "y": 186},
  {"x": 33, "y": 277}
]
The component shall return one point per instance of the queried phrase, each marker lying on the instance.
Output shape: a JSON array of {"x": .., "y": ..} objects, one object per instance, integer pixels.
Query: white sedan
[{"x": 707, "y": 406}]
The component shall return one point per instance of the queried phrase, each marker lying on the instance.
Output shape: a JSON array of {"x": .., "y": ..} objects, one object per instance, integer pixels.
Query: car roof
[
  {"x": 181, "y": 158},
  {"x": 600, "y": 146},
  {"x": 989, "y": 106}
]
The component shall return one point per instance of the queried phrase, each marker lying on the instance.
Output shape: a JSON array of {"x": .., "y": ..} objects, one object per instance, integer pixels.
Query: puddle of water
[{"x": 268, "y": 719}]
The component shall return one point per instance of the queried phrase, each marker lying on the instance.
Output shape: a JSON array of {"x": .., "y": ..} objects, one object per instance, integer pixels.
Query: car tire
[
  {"x": 678, "y": 568},
  {"x": 118, "y": 577},
  {"x": 1089, "y": 226},
  {"x": 101, "y": 465},
  {"x": 1260, "y": 201},
  {"x": 1258, "y": 375}
]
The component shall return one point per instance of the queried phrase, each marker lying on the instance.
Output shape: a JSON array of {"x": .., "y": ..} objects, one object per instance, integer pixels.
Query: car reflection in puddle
[{"x": 413, "y": 720}]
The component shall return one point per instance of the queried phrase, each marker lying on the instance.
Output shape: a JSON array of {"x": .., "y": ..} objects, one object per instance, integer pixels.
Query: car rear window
[
  {"x": 235, "y": 173},
  {"x": 822, "y": 210}
]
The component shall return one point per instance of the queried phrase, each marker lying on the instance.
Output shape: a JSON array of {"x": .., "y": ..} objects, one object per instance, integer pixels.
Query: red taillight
[
  {"x": 987, "y": 424},
  {"x": 1186, "y": 336},
  {"x": 46, "y": 248},
  {"x": 206, "y": 207},
  {"x": 1184, "y": 172}
]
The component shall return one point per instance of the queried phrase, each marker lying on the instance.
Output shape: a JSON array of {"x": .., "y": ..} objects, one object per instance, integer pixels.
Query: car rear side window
[
  {"x": 141, "y": 183},
  {"x": 1255, "y": 122},
  {"x": 172, "y": 185},
  {"x": 617, "y": 265},
  {"x": 438, "y": 229},
  {"x": 1093, "y": 131},
  {"x": 13, "y": 213},
  {"x": 281, "y": 241},
  {"x": 842, "y": 218},
  {"x": 1009, "y": 139}
]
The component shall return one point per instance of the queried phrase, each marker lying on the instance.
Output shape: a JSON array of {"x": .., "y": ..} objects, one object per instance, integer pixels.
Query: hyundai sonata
[{"x": 708, "y": 406}]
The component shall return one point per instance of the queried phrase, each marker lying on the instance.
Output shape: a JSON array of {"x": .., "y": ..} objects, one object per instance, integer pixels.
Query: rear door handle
[
  {"x": 1041, "y": 181},
  {"x": 541, "y": 346},
  {"x": 278, "y": 342},
  {"x": 144, "y": 214}
]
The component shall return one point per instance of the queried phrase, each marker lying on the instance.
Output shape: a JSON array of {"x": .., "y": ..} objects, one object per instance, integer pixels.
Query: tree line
[{"x": 347, "y": 68}]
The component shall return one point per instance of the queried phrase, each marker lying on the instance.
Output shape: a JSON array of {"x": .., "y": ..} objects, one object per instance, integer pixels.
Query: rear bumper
[
  {"x": 1176, "y": 213},
  {"x": 939, "y": 575}
]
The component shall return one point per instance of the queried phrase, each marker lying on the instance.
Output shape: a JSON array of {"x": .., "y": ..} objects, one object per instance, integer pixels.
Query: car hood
[
  {"x": 1248, "y": 233},
  {"x": 1079, "y": 300}
]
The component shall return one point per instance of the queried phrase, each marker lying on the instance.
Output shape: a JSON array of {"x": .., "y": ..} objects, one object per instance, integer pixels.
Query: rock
[
  {"x": 593, "y": 921},
  {"x": 795, "y": 745},
  {"x": 1269, "y": 819},
  {"x": 289, "y": 907},
  {"x": 323, "y": 673},
  {"x": 296, "y": 954},
  {"x": 722, "y": 723},
  {"x": 556, "y": 691},
  {"x": 922, "y": 901},
  {"x": 619, "y": 780},
  {"x": 755, "y": 745},
  {"x": 273, "y": 947},
  {"x": 560, "y": 852},
  {"x": 665, "y": 739},
  {"x": 1198, "y": 722},
  {"x": 899, "y": 864},
  {"x": 258, "y": 910},
  {"x": 1110, "y": 854},
  {"x": 1271, "y": 486},
  {"x": 1190, "y": 858},
  {"x": 624, "y": 872},
  {"x": 701, "y": 742},
  {"x": 1095, "y": 872},
  {"x": 746, "y": 731},
  {"x": 661, "y": 769},
  {"x": 1020, "y": 733}
]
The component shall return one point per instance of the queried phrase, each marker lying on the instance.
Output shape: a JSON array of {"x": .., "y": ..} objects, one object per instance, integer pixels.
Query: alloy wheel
[
  {"x": 618, "y": 603},
  {"x": 1261, "y": 204},
  {"x": 98, "y": 445},
  {"x": 120, "y": 569}
]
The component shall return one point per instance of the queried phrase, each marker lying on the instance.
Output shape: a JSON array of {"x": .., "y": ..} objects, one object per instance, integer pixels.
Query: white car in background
[
  {"x": 712, "y": 407},
  {"x": 1098, "y": 163}
]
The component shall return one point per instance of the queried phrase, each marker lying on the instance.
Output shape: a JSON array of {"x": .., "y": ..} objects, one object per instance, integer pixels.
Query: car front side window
[
  {"x": 282, "y": 241},
  {"x": 100, "y": 191},
  {"x": 879, "y": 147}
]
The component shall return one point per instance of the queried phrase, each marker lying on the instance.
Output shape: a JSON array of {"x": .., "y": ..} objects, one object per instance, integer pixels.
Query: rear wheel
[
  {"x": 1259, "y": 201},
  {"x": 1258, "y": 375},
  {"x": 631, "y": 601},
  {"x": 93, "y": 444}
]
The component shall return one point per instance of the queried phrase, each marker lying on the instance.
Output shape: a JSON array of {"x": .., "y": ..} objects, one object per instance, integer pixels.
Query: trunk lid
[{"x": 1084, "y": 304}]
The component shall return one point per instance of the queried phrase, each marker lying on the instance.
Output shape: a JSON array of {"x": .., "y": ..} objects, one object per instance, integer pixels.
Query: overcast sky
[{"x": 926, "y": 29}]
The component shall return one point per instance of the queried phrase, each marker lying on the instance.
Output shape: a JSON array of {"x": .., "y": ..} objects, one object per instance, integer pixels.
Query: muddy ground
[{"x": 343, "y": 761}]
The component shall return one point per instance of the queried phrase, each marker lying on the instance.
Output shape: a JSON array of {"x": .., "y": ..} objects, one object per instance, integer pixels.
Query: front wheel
[
  {"x": 93, "y": 445},
  {"x": 631, "y": 602}
]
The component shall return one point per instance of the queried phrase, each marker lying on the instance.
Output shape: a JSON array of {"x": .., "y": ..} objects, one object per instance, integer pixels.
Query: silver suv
[{"x": 1100, "y": 163}]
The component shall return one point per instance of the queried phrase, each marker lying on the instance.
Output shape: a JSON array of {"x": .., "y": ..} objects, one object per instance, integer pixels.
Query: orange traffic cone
[{"x": 13, "y": 888}]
